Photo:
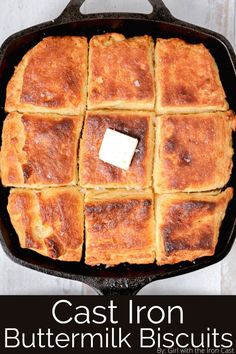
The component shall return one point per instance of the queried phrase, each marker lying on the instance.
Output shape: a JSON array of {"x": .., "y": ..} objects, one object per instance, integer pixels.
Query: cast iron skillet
[{"x": 123, "y": 279}]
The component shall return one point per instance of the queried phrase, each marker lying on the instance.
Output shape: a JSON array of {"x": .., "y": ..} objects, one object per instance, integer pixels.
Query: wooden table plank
[{"x": 218, "y": 15}]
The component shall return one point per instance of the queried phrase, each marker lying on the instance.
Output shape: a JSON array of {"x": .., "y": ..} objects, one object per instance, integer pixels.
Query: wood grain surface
[{"x": 218, "y": 15}]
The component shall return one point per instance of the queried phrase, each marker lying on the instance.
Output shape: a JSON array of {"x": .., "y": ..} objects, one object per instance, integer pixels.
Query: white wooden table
[{"x": 214, "y": 14}]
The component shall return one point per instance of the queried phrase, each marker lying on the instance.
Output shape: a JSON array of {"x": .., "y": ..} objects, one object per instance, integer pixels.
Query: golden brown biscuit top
[
  {"x": 51, "y": 219},
  {"x": 176, "y": 232},
  {"x": 50, "y": 147},
  {"x": 194, "y": 151},
  {"x": 190, "y": 223},
  {"x": 40, "y": 149},
  {"x": 187, "y": 75},
  {"x": 56, "y": 72},
  {"x": 120, "y": 68},
  {"x": 137, "y": 125},
  {"x": 120, "y": 222}
]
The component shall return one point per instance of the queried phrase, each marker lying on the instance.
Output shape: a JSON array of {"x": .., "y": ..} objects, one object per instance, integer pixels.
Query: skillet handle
[
  {"x": 119, "y": 286},
  {"x": 72, "y": 12},
  {"x": 160, "y": 11}
]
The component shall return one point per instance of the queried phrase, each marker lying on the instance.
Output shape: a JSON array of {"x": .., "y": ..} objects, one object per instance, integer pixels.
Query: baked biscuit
[
  {"x": 49, "y": 221},
  {"x": 193, "y": 152},
  {"x": 187, "y": 225},
  {"x": 94, "y": 172},
  {"x": 187, "y": 78},
  {"x": 119, "y": 227},
  {"x": 51, "y": 78},
  {"x": 39, "y": 150},
  {"x": 121, "y": 72}
]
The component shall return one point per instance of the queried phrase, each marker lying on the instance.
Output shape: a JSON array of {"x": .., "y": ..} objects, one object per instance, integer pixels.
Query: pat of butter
[{"x": 117, "y": 149}]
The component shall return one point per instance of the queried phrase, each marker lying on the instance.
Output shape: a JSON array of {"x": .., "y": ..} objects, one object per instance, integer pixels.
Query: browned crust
[
  {"x": 39, "y": 150},
  {"x": 49, "y": 221},
  {"x": 36, "y": 150},
  {"x": 51, "y": 78},
  {"x": 193, "y": 83},
  {"x": 121, "y": 72},
  {"x": 96, "y": 173},
  {"x": 193, "y": 152},
  {"x": 187, "y": 225},
  {"x": 119, "y": 227}
]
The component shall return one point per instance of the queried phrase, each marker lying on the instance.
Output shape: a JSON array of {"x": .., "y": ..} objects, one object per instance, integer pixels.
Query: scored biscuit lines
[{"x": 84, "y": 190}]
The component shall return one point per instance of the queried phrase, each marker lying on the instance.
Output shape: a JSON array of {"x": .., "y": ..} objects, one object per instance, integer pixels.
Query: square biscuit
[
  {"x": 121, "y": 72},
  {"x": 39, "y": 150},
  {"x": 49, "y": 221},
  {"x": 187, "y": 78},
  {"x": 193, "y": 152},
  {"x": 119, "y": 227},
  {"x": 187, "y": 225},
  {"x": 93, "y": 172},
  {"x": 51, "y": 78}
]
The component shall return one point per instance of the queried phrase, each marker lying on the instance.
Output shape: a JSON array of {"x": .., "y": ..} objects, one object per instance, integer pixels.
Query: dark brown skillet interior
[{"x": 125, "y": 278}]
